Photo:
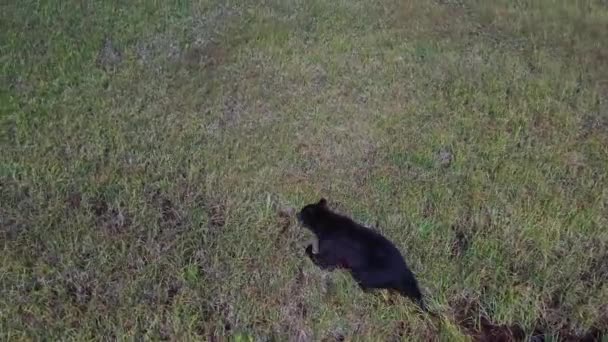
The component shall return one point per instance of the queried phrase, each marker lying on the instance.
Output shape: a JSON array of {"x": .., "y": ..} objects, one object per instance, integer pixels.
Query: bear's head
[{"x": 310, "y": 215}]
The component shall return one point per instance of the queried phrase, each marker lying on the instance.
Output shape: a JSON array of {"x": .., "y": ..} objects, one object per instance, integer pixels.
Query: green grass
[{"x": 148, "y": 148}]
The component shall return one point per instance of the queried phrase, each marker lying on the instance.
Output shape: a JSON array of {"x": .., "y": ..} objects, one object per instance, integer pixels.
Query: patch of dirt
[
  {"x": 445, "y": 157},
  {"x": 99, "y": 206},
  {"x": 109, "y": 55},
  {"x": 173, "y": 289},
  {"x": 473, "y": 322},
  {"x": 74, "y": 200}
]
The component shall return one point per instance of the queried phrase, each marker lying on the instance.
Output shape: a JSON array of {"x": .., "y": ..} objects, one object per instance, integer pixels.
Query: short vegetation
[{"x": 153, "y": 154}]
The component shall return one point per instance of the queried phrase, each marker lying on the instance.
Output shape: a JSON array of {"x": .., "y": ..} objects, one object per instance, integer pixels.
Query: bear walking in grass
[{"x": 374, "y": 262}]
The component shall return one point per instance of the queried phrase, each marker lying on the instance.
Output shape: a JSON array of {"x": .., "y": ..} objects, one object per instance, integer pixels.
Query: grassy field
[{"x": 151, "y": 153}]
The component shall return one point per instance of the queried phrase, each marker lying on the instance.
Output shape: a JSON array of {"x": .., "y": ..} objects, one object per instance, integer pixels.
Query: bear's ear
[{"x": 323, "y": 203}]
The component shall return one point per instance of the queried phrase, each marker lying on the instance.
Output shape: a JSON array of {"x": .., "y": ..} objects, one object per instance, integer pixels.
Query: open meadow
[{"x": 153, "y": 154}]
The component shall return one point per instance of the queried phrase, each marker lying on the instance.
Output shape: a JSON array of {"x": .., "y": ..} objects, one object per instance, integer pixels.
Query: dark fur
[{"x": 374, "y": 262}]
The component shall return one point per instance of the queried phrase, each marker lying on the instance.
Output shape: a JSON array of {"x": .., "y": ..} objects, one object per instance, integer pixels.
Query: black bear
[{"x": 374, "y": 261}]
